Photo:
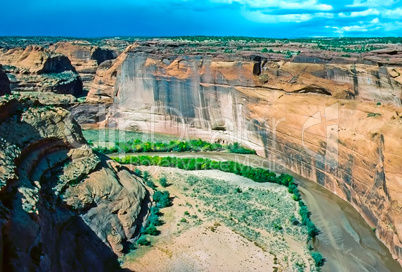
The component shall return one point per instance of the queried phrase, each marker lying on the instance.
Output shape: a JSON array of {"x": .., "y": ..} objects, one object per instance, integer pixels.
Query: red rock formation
[
  {"x": 62, "y": 208},
  {"x": 84, "y": 57},
  {"x": 336, "y": 122},
  {"x": 37, "y": 69}
]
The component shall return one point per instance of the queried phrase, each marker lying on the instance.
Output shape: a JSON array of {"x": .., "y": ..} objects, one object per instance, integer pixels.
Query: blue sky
[{"x": 261, "y": 18}]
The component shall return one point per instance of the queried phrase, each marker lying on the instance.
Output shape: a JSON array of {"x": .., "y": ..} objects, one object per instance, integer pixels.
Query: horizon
[
  {"x": 195, "y": 35},
  {"x": 173, "y": 18}
]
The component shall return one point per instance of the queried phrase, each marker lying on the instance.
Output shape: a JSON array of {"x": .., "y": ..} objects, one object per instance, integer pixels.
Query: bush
[
  {"x": 237, "y": 148},
  {"x": 146, "y": 175},
  {"x": 318, "y": 259},
  {"x": 162, "y": 199},
  {"x": 150, "y": 184},
  {"x": 138, "y": 172},
  {"x": 143, "y": 241},
  {"x": 312, "y": 230},
  {"x": 163, "y": 182},
  {"x": 294, "y": 221},
  {"x": 151, "y": 230},
  {"x": 154, "y": 220}
]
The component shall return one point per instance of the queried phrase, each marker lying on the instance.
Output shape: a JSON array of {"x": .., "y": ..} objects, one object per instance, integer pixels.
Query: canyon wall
[
  {"x": 36, "y": 69},
  {"x": 84, "y": 57},
  {"x": 336, "y": 121},
  {"x": 62, "y": 207}
]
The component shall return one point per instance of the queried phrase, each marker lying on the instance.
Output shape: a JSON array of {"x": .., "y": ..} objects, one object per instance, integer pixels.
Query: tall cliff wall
[{"x": 338, "y": 123}]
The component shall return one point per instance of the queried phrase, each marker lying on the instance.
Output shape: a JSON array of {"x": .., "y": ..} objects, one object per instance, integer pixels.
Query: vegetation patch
[
  {"x": 138, "y": 145},
  {"x": 255, "y": 174}
]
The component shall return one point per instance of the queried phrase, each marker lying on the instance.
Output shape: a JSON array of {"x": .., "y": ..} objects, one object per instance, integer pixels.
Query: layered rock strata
[
  {"x": 38, "y": 69},
  {"x": 84, "y": 57},
  {"x": 62, "y": 208},
  {"x": 337, "y": 122}
]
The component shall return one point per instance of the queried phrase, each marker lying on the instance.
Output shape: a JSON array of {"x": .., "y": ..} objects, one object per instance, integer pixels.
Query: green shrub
[
  {"x": 163, "y": 182},
  {"x": 143, "y": 241},
  {"x": 294, "y": 221},
  {"x": 151, "y": 230},
  {"x": 150, "y": 184},
  {"x": 162, "y": 199},
  {"x": 154, "y": 220},
  {"x": 312, "y": 230},
  {"x": 318, "y": 258},
  {"x": 138, "y": 172},
  {"x": 146, "y": 175},
  {"x": 373, "y": 114}
]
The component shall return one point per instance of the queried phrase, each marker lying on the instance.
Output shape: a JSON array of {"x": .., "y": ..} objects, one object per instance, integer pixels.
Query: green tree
[{"x": 163, "y": 182}]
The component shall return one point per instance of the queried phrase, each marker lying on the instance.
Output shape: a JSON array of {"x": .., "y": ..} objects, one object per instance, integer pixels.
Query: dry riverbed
[{"x": 223, "y": 222}]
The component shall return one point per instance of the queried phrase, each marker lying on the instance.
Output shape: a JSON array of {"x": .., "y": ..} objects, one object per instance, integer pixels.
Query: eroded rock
[
  {"x": 62, "y": 208},
  {"x": 84, "y": 57},
  {"x": 38, "y": 69},
  {"x": 335, "y": 122}
]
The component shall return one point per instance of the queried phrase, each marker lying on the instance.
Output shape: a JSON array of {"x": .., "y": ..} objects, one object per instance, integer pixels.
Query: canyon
[
  {"x": 332, "y": 117},
  {"x": 334, "y": 120}
]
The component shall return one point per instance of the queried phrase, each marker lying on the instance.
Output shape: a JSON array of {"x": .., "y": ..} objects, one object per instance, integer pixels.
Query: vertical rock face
[
  {"x": 4, "y": 82},
  {"x": 84, "y": 57},
  {"x": 37, "y": 69},
  {"x": 62, "y": 208},
  {"x": 337, "y": 124}
]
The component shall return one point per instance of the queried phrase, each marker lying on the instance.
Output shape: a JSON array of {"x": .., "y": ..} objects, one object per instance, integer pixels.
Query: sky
[{"x": 257, "y": 18}]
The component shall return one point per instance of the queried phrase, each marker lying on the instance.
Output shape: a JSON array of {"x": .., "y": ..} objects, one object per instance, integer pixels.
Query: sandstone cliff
[
  {"x": 62, "y": 208},
  {"x": 4, "y": 82},
  {"x": 337, "y": 121},
  {"x": 84, "y": 57},
  {"x": 38, "y": 69}
]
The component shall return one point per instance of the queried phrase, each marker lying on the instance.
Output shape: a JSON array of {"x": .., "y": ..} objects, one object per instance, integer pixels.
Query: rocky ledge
[
  {"x": 38, "y": 69},
  {"x": 62, "y": 207}
]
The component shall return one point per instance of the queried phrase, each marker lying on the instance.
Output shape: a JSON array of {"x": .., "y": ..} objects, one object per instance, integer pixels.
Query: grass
[{"x": 373, "y": 114}]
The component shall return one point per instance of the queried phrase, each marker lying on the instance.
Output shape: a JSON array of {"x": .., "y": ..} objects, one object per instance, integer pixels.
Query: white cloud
[
  {"x": 375, "y": 21},
  {"x": 364, "y": 13},
  {"x": 258, "y": 16},
  {"x": 373, "y": 3},
  {"x": 288, "y": 4},
  {"x": 392, "y": 14},
  {"x": 367, "y": 12}
]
